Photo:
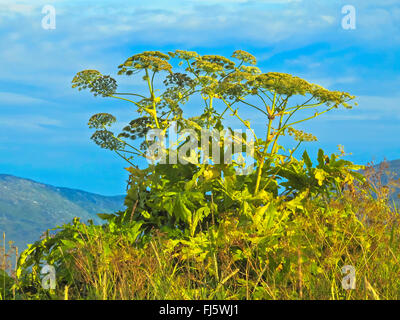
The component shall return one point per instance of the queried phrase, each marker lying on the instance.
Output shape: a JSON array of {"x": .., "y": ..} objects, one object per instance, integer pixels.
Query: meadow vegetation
[{"x": 198, "y": 230}]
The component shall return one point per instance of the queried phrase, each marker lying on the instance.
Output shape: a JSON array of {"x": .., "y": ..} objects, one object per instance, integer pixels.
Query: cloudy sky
[{"x": 43, "y": 122}]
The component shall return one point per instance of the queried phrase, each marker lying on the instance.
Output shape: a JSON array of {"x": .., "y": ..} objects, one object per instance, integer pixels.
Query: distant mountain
[
  {"x": 394, "y": 166},
  {"x": 29, "y": 208},
  {"x": 390, "y": 171},
  {"x": 394, "y": 169}
]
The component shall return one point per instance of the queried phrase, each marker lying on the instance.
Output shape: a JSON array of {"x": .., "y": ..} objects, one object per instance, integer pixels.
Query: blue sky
[{"x": 43, "y": 122}]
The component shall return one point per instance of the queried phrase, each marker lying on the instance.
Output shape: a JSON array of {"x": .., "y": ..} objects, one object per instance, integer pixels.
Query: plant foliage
[{"x": 286, "y": 213}]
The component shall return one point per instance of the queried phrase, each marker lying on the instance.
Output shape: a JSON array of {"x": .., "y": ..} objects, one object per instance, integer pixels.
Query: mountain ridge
[{"x": 28, "y": 208}]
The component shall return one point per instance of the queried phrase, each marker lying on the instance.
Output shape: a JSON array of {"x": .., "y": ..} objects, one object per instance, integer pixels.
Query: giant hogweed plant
[
  {"x": 187, "y": 199},
  {"x": 182, "y": 196}
]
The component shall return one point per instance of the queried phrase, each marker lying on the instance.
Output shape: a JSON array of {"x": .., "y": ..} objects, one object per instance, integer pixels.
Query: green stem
[
  {"x": 294, "y": 150},
  {"x": 306, "y": 119},
  {"x": 255, "y": 107},
  {"x": 129, "y": 94},
  {"x": 237, "y": 116},
  {"x": 274, "y": 146},
  {"x": 137, "y": 104},
  {"x": 123, "y": 157},
  {"x": 125, "y": 143},
  {"x": 267, "y": 142},
  {"x": 152, "y": 98},
  {"x": 210, "y": 111}
]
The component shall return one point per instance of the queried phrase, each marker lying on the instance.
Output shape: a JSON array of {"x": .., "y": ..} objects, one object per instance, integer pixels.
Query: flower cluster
[
  {"x": 301, "y": 135},
  {"x": 101, "y": 120},
  {"x": 96, "y": 82},
  {"x": 152, "y": 60},
  {"x": 85, "y": 78},
  {"x": 244, "y": 56},
  {"x": 106, "y": 140}
]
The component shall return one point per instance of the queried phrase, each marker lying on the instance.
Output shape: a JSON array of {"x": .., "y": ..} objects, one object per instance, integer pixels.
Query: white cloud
[
  {"x": 328, "y": 19},
  {"x": 9, "y": 98},
  {"x": 11, "y": 7},
  {"x": 370, "y": 108},
  {"x": 330, "y": 82},
  {"x": 28, "y": 122}
]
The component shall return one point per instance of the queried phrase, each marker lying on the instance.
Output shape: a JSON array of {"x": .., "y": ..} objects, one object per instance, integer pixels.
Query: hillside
[
  {"x": 394, "y": 173},
  {"x": 28, "y": 208},
  {"x": 394, "y": 166}
]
